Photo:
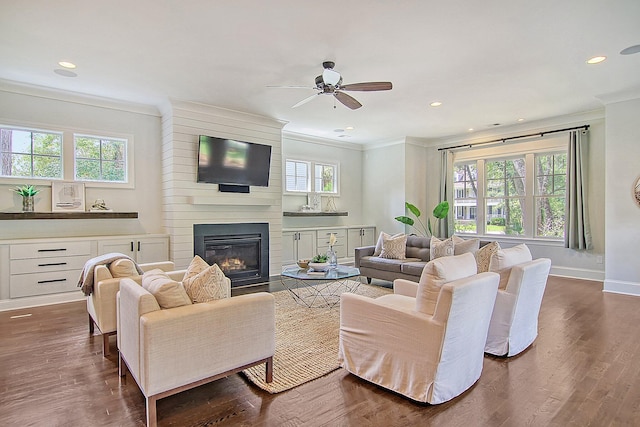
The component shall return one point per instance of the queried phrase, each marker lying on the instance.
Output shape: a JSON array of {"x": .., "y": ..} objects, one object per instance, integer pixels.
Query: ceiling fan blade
[
  {"x": 292, "y": 87},
  {"x": 304, "y": 101},
  {"x": 368, "y": 86},
  {"x": 347, "y": 100}
]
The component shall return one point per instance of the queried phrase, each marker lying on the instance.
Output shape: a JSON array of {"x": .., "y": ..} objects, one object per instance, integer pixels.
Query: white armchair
[
  {"x": 428, "y": 358},
  {"x": 101, "y": 304},
  {"x": 514, "y": 323},
  {"x": 171, "y": 350}
]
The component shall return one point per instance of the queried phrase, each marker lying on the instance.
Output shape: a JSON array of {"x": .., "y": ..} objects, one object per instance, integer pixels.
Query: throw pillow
[
  {"x": 439, "y": 248},
  {"x": 502, "y": 261},
  {"x": 204, "y": 282},
  {"x": 462, "y": 246},
  {"x": 123, "y": 268},
  {"x": 394, "y": 247},
  {"x": 167, "y": 292},
  {"x": 378, "y": 249},
  {"x": 436, "y": 273},
  {"x": 483, "y": 256}
]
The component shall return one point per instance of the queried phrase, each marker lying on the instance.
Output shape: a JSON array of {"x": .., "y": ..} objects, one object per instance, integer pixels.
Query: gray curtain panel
[
  {"x": 445, "y": 226},
  {"x": 577, "y": 233}
]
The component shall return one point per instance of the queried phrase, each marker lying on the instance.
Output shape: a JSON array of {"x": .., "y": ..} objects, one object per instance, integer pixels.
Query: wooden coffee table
[{"x": 320, "y": 289}]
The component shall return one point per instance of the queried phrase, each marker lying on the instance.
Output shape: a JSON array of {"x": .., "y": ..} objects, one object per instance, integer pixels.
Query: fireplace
[{"x": 240, "y": 250}]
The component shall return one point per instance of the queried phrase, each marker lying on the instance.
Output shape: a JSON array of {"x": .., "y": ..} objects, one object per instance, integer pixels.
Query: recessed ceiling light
[
  {"x": 349, "y": 128},
  {"x": 596, "y": 59},
  {"x": 470, "y": 130},
  {"x": 436, "y": 104},
  {"x": 65, "y": 73},
  {"x": 521, "y": 119},
  {"x": 630, "y": 50},
  {"x": 66, "y": 64}
]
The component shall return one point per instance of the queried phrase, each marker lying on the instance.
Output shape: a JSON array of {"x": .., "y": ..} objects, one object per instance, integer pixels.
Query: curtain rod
[{"x": 540, "y": 134}]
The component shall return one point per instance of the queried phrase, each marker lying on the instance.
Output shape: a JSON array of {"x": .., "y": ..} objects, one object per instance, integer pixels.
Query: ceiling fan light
[{"x": 330, "y": 77}]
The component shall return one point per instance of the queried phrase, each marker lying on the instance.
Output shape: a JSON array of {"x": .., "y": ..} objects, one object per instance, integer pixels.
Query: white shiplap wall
[{"x": 182, "y": 123}]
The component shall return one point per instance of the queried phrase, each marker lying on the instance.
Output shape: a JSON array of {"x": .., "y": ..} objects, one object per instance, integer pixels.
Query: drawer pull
[
  {"x": 51, "y": 264},
  {"x": 51, "y": 281},
  {"x": 52, "y": 250}
]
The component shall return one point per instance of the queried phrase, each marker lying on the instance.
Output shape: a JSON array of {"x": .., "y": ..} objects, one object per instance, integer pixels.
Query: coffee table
[{"x": 320, "y": 289}]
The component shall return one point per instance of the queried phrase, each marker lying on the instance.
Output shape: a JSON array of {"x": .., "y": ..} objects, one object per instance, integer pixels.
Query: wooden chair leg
[
  {"x": 105, "y": 345},
  {"x": 369, "y": 280},
  {"x": 91, "y": 325},
  {"x": 151, "y": 412},
  {"x": 269, "y": 370}
]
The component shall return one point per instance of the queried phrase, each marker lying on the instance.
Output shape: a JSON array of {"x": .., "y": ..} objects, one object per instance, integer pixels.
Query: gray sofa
[{"x": 417, "y": 254}]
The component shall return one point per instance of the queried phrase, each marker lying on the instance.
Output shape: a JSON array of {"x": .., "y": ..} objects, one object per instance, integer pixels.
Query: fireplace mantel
[{"x": 232, "y": 201}]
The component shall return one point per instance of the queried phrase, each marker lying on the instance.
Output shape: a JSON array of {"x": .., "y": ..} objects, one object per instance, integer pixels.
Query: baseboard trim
[
  {"x": 577, "y": 273},
  {"x": 40, "y": 300},
  {"x": 621, "y": 287}
]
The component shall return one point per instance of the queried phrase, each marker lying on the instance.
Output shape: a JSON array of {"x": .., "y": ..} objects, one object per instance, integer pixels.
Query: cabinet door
[
  {"x": 152, "y": 249},
  {"x": 354, "y": 240},
  {"x": 123, "y": 246},
  {"x": 368, "y": 236},
  {"x": 289, "y": 247},
  {"x": 306, "y": 245}
]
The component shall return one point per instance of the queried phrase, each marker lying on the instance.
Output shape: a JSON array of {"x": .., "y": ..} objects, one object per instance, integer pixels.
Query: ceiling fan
[{"x": 330, "y": 83}]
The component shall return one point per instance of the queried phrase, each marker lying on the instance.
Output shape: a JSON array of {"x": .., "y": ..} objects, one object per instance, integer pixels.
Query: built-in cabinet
[
  {"x": 140, "y": 249},
  {"x": 298, "y": 245},
  {"x": 305, "y": 243},
  {"x": 40, "y": 267}
]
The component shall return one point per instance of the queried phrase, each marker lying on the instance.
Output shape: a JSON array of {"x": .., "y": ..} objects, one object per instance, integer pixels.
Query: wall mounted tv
[{"x": 231, "y": 162}]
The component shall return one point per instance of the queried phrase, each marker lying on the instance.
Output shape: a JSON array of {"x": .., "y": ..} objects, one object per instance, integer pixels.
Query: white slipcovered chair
[
  {"x": 426, "y": 340},
  {"x": 101, "y": 304},
  {"x": 514, "y": 322},
  {"x": 171, "y": 350}
]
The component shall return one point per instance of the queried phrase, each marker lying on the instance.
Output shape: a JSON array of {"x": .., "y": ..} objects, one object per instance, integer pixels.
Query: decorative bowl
[
  {"x": 303, "y": 263},
  {"x": 319, "y": 266}
]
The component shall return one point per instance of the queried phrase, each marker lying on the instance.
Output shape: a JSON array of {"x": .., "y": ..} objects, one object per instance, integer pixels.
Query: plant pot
[{"x": 27, "y": 203}]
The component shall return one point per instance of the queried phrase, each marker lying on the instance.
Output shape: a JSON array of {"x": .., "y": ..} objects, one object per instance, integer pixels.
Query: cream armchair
[
  {"x": 514, "y": 323},
  {"x": 101, "y": 304},
  {"x": 171, "y": 350},
  {"x": 428, "y": 358}
]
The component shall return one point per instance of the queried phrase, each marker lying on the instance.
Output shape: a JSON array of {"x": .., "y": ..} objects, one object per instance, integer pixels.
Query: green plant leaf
[
  {"x": 441, "y": 210},
  {"x": 405, "y": 220},
  {"x": 414, "y": 210},
  {"x": 429, "y": 226}
]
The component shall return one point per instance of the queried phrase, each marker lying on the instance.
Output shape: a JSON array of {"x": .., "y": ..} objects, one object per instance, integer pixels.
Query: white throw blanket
[{"x": 86, "y": 277}]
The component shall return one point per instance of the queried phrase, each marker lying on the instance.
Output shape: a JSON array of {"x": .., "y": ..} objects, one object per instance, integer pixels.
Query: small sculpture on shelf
[{"x": 99, "y": 206}]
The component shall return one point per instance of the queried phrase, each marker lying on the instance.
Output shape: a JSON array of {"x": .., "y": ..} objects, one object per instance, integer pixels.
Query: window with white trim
[
  {"x": 100, "y": 159},
  {"x": 30, "y": 153},
  {"x": 303, "y": 176},
  {"x": 516, "y": 194}
]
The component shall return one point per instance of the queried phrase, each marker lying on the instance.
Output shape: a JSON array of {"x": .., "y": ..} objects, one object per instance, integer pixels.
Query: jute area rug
[{"x": 306, "y": 342}]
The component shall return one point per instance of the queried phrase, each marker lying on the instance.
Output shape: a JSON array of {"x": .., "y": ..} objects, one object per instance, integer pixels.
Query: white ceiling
[{"x": 490, "y": 61}]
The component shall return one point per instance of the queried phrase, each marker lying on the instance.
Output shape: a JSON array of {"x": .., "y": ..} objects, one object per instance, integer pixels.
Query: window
[
  {"x": 100, "y": 159},
  {"x": 28, "y": 153},
  {"x": 306, "y": 176},
  {"x": 551, "y": 178},
  {"x": 465, "y": 183},
  {"x": 297, "y": 176},
  {"x": 519, "y": 194},
  {"x": 325, "y": 178}
]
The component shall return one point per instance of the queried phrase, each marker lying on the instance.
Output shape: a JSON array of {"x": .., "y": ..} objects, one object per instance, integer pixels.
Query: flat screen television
[{"x": 227, "y": 161}]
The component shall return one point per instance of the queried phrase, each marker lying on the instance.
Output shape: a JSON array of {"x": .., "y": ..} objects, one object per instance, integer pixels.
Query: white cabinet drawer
[
  {"x": 46, "y": 250},
  {"x": 323, "y": 236},
  {"x": 22, "y": 285},
  {"x": 42, "y": 265}
]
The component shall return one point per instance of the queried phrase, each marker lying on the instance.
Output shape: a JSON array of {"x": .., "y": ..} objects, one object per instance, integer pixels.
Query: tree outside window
[
  {"x": 551, "y": 180},
  {"x": 325, "y": 178},
  {"x": 505, "y": 192},
  {"x": 465, "y": 180},
  {"x": 100, "y": 159},
  {"x": 30, "y": 153}
]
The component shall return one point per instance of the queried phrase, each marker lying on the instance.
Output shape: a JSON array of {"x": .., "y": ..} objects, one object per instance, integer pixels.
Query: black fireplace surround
[{"x": 240, "y": 250}]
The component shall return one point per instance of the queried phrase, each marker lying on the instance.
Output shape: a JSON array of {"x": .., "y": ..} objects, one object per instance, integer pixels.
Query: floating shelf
[
  {"x": 66, "y": 215},
  {"x": 315, "y": 213}
]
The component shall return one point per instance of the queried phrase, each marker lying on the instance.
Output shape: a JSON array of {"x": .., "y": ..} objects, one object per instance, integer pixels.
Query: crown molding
[
  {"x": 294, "y": 136},
  {"x": 622, "y": 96}
]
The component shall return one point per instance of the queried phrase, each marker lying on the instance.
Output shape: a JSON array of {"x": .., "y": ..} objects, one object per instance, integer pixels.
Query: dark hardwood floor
[{"x": 584, "y": 369}]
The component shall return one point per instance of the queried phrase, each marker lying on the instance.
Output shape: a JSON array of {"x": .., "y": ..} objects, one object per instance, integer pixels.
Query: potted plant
[
  {"x": 439, "y": 212},
  {"x": 27, "y": 192}
]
